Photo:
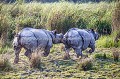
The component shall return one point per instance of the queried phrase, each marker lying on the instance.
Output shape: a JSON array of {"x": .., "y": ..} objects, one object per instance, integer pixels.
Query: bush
[
  {"x": 85, "y": 64},
  {"x": 116, "y": 17},
  {"x": 104, "y": 27},
  {"x": 101, "y": 56},
  {"x": 5, "y": 65},
  {"x": 116, "y": 55},
  {"x": 35, "y": 60},
  {"x": 60, "y": 16}
]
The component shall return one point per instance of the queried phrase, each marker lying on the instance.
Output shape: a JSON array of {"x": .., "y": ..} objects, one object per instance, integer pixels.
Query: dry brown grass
[
  {"x": 116, "y": 55},
  {"x": 116, "y": 17},
  {"x": 35, "y": 60},
  {"x": 86, "y": 63},
  {"x": 5, "y": 64}
]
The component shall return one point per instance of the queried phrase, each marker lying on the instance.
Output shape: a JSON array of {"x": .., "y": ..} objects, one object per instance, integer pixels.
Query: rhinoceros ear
[
  {"x": 54, "y": 31},
  {"x": 93, "y": 30}
]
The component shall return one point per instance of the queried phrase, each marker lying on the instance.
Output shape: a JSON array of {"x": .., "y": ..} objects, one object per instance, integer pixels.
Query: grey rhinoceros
[
  {"x": 79, "y": 40},
  {"x": 30, "y": 39}
]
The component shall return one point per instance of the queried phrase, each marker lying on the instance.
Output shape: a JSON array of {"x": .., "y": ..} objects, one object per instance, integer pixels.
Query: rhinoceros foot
[
  {"x": 66, "y": 57},
  {"x": 90, "y": 51},
  {"x": 16, "y": 60},
  {"x": 84, "y": 56},
  {"x": 44, "y": 54}
]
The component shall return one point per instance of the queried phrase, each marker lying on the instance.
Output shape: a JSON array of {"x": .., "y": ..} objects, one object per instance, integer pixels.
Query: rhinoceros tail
[{"x": 16, "y": 40}]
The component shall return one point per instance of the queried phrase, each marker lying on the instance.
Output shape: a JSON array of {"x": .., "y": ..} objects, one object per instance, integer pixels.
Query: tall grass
[
  {"x": 5, "y": 64},
  {"x": 107, "y": 41},
  {"x": 60, "y": 16}
]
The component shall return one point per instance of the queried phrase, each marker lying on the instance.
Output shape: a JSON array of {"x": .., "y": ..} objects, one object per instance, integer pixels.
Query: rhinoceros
[
  {"x": 79, "y": 40},
  {"x": 30, "y": 39}
]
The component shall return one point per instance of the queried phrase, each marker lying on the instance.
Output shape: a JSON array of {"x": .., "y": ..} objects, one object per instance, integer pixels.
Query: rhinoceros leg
[
  {"x": 46, "y": 51},
  {"x": 17, "y": 51},
  {"x": 67, "y": 50},
  {"x": 78, "y": 52},
  {"x": 92, "y": 48},
  {"x": 28, "y": 53}
]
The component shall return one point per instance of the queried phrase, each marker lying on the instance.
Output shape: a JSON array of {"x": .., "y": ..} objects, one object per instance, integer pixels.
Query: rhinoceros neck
[{"x": 52, "y": 36}]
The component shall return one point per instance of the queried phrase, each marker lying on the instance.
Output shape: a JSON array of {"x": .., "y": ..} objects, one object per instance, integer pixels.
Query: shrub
[
  {"x": 5, "y": 49},
  {"x": 35, "y": 60},
  {"x": 116, "y": 55},
  {"x": 103, "y": 27},
  {"x": 116, "y": 17},
  {"x": 86, "y": 64},
  {"x": 60, "y": 16},
  {"x": 105, "y": 41},
  {"x": 5, "y": 65},
  {"x": 101, "y": 56}
]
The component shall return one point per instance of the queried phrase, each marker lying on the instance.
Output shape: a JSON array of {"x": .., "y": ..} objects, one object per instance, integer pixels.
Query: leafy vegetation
[
  {"x": 86, "y": 64},
  {"x": 5, "y": 64},
  {"x": 60, "y": 16}
]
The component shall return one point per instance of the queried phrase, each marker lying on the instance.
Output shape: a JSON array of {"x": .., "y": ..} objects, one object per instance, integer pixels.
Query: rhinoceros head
[
  {"x": 95, "y": 34},
  {"x": 57, "y": 37}
]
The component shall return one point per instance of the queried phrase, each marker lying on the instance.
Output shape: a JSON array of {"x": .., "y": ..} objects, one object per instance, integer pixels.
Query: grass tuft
[
  {"x": 86, "y": 64},
  {"x": 5, "y": 64},
  {"x": 35, "y": 60},
  {"x": 116, "y": 55}
]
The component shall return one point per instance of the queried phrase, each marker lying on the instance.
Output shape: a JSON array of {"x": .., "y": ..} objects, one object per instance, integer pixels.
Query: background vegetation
[
  {"x": 60, "y": 16},
  {"x": 104, "y": 17},
  {"x": 44, "y": 1}
]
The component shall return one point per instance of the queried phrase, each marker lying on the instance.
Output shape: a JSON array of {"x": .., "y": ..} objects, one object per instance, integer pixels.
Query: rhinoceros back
[
  {"x": 86, "y": 38},
  {"x": 32, "y": 38},
  {"x": 78, "y": 38}
]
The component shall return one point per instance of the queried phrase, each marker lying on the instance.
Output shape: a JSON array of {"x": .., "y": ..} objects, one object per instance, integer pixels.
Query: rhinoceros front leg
[
  {"x": 92, "y": 48},
  {"x": 79, "y": 53},
  {"x": 17, "y": 51},
  {"x": 67, "y": 56},
  {"x": 28, "y": 53},
  {"x": 46, "y": 52}
]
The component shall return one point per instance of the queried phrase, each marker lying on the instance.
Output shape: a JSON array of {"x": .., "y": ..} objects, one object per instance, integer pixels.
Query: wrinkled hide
[
  {"x": 79, "y": 40},
  {"x": 31, "y": 39}
]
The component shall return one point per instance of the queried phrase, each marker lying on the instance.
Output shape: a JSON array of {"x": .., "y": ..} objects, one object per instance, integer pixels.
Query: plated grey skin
[
  {"x": 31, "y": 39},
  {"x": 79, "y": 40}
]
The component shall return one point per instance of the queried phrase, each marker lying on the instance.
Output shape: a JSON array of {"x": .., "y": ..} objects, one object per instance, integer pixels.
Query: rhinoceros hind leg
[
  {"x": 28, "y": 53},
  {"x": 17, "y": 51},
  {"x": 46, "y": 52},
  {"x": 66, "y": 56}
]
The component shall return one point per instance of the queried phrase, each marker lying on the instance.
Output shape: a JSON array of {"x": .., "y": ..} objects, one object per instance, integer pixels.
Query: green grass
[
  {"x": 106, "y": 42},
  {"x": 60, "y": 16},
  {"x": 55, "y": 67}
]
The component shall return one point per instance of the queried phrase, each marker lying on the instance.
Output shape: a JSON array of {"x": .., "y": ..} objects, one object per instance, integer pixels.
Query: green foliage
[
  {"x": 5, "y": 49},
  {"x": 105, "y": 41},
  {"x": 101, "y": 56},
  {"x": 116, "y": 17},
  {"x": 60, "y": 16},
  {"x": 103, "y": 27}
]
